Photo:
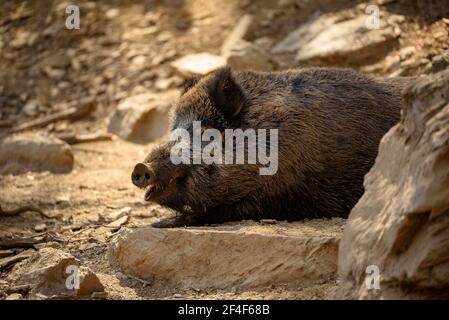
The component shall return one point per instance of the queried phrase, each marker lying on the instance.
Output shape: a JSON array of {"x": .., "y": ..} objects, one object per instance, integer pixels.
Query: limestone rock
[
  {"x": 239, "y": 257},
  {"x": 22, "y": 38},
  {"x": 31, "y": 108},
  {"x": 440, "y": 62},
  {"x": 48, "y": 273},
  {"x": 326, "y": 40},
  {"x": 198, "y": 64},
  {"x": 142, "y": 118},
  {"x": 14, "y": 296},
  {"x": 239, "y": 32},
  {"x": 244, "y": 55},
  {"x": 10, "y": 260},
  {"x": 401, "y": 224},
  {"x": 35, "y": 152},
  {"x": 304, "y": 34},
  {"x": 349, "y": 42},
  {"x": 241, "y": 54}
]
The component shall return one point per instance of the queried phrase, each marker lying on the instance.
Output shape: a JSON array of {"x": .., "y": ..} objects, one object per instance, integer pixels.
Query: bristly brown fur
[{"x": 330, "y": 124}]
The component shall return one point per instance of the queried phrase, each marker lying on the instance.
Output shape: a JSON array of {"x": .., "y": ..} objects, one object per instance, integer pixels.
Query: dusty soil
[
  {"x": 102, "y": 62},
  {"x": 100, "y": 185}
]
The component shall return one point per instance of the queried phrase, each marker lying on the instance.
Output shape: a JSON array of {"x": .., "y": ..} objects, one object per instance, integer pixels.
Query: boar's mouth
[
  {"x": 159, "y": 186},
  {"x": 153, "y": 191}
]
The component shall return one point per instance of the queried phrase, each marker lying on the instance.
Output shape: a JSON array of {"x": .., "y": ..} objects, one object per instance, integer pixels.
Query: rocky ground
[{"x": 113, "y": 80}]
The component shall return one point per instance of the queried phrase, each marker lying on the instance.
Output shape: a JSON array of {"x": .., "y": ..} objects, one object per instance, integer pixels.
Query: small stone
[
  {"x": 248, "y": 56},
  {"x": 112, "y": 13},
  {"x": 265, "y": 43},
  {"x": 10, "y": 260},
  {"x": 239, "y": 32},
  {"x": 61, "y": 126},
  {"x": 63, "y": 199},
  {"x": 6, "y": 253},
  {"x": 164, "y": 37},
  {"x": 93, "y": 218},
  {"x": 91, "y": 245},
  {"x": 20, "y": 40},
  {"x": 163, "y": 84},
  {"x": 99, "y": 295},
  {"x": 440, "y": 62},
  {"x": 121, "y": 276},
  {"x": 157, "y": 60},
  {"x": 118, "y": 223},
  {"x": 198, "y": 64},
  {"x": 30, "y": 108},
  {"x": 268, "y": 221},
  {"x": 51, "y": 244},
  {"x": 47, "y": 270},
  {"x": 40, "y": 227},
  {"x": 138, "y": 62},
  {"x": 241, "y": 54},
  {"x": 118, "y": 214},
  {"x": 54, "y": 73},
  {"x": 14, "y": 296}
]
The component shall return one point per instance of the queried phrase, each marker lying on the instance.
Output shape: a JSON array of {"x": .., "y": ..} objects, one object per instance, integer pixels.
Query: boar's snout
[{"x": 141, "y": 175}]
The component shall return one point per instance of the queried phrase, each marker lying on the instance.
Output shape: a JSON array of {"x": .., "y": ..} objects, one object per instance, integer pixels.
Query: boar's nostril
[
  {"x": 141, "y": 175},
  {"x": 136, "y": 178}
]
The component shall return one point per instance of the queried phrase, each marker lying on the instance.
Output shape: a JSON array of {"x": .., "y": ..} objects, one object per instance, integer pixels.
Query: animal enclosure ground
[
  {"x": 125, "y": 49},
  {"x": 83, "y": 203}
]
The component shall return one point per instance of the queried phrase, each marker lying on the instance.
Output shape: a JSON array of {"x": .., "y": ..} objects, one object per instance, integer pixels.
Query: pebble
[
  {"x": 112, "y": 13},
  {"x": 14, "y": 296},
  {"x": 268, "y": 221},
  {"x": 99, "y": 295},
  {"x": 40, "y": 227}
]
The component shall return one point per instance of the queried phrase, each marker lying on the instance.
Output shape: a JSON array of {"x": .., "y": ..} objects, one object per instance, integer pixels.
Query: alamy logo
[
  {"x": 73, "y": 20},
  {"x": 72, "y": 282},
  {"x": 373, "y": 21},
  {"x": 207, "y": 147},
  {"x": 372, "y": 279}
]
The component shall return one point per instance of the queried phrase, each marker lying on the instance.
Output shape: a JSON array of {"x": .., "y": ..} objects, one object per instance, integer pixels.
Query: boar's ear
[
  {"x": 190, "y": 83},
  {"x": 226, "y": 94}
]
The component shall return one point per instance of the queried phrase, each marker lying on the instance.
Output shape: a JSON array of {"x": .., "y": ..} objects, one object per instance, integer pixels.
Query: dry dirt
[
  {"x": 101, "y": 63},
  {"x": 99, "y": 185}
]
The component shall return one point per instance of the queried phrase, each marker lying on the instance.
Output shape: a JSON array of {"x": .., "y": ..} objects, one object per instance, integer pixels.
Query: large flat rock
[{"x": 248, "y": 255}]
